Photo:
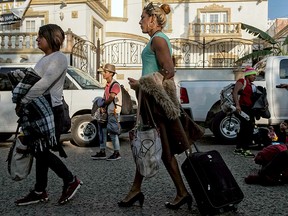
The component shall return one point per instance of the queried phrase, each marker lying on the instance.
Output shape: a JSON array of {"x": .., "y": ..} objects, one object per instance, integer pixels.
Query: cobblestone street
[{"x": 106, "y": 182}]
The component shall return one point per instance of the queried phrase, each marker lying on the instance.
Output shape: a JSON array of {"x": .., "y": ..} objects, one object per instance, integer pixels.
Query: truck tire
[
  {"x": 84, "y": 131},
  {"x": 225, "y": 127}
]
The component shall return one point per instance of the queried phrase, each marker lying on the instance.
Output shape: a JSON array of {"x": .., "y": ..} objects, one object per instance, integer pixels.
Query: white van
[{"x": 79, "y": 91}]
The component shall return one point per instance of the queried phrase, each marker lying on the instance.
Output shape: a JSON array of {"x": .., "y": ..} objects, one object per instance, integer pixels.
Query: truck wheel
[
  {"x": 84, "y": 131},
  {"x": 225, "y": 127},
  {"x": 5, "y": 136}
]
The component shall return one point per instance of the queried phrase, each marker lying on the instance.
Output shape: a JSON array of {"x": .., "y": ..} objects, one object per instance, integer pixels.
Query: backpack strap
[
  {"x": 112, "y": 85},
  {"x": 244, "y": 84},
  {"x": 254, "y": 88},
  {"x": 110, "y": 92}
]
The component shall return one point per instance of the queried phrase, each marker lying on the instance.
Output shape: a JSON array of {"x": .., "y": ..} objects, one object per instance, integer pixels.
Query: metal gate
[
  {"x": 86, "y": 56},
  {"x": 220, "y": 53}
]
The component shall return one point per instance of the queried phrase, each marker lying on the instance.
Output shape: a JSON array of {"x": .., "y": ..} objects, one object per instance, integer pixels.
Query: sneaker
[
  {"x": 32, "y": 198},
  {"x": 114, "y": 156},
  {"x": 70, "y": 190},
  {"x": 99, "y": 156},
  {"x": 238, "y": 151},
  {"x": 247, "y": 153}
]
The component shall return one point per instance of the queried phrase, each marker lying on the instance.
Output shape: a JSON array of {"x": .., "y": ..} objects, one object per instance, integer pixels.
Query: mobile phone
[{"x": 278, "y": 86}]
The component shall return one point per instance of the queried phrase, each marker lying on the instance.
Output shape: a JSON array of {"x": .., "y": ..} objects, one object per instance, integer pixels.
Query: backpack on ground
[{"x": 127, "y": 105}]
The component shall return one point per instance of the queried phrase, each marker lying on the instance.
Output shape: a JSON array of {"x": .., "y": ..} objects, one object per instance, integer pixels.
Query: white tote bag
[
  {"x": 19, "y": 160},
  {"x": 146, "y": 146},
  {"x": 147, "y": 150}
]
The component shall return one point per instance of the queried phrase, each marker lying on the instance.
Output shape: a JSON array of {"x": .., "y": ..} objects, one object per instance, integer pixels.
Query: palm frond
[
  {"x": 285, "y": 41},
  {"x": 258, "y": 33},
  {"x": 255, "y": 55}
]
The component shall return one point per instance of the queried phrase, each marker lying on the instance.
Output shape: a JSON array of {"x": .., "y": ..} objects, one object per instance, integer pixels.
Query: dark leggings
[
  {"x": 46, "y": 159},
  {"x": 245, "y": 135}
]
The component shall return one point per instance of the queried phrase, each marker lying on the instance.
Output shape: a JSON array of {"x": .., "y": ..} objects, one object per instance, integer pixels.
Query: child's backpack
[
  {"x": 226, "y": 98},
  {"x": 127, "y": 105}
]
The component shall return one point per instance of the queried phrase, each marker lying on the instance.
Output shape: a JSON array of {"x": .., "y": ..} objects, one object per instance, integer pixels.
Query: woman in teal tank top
[
  {"x": 149, "y": 60},
  {"x": 163, "y": 102}
]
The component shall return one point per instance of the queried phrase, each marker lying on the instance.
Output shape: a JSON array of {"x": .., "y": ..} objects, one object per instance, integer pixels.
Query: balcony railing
[
  {"x": 214, "y": 30},
  {"x": 23, "y": 42},
  {"x": 187, "y": 53}
]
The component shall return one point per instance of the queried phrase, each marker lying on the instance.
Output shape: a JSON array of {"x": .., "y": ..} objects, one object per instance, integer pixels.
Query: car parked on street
[{"x": 79, "y": 91}]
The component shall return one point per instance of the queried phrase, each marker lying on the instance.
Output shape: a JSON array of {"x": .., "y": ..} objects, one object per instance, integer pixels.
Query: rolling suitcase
[{"x": 212, "y": 184}]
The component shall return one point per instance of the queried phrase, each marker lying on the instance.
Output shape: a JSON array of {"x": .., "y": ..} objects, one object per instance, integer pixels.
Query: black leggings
[
  {"x": 245, "y": 135},
  {"x": 46, "y": 159}
]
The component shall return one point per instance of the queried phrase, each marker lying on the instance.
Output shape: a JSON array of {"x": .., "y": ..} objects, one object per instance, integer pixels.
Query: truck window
[
  {"x": 260, "y": 68},
  {"x": 68, "y": 85},
  {"x": 83, "y": 79},
  {"x": 5, "y": 84},
  {"x": 284, "y": 69}
]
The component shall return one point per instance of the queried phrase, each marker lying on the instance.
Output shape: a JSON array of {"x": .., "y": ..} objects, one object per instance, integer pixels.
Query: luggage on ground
[{"x": 213, "y": 185}]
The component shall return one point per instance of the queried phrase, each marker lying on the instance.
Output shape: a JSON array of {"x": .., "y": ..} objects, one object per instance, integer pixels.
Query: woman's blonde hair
[{"x": 159, "y": 11}]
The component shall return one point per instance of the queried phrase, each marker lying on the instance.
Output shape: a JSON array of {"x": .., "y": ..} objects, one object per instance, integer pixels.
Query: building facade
[{"x": 204, "y": 33}]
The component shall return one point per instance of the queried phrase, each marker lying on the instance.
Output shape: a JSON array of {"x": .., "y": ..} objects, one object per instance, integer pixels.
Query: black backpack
[{"x": 126, "y": 100}]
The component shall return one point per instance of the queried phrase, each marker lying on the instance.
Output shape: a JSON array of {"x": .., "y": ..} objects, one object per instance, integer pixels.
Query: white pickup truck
[
  {"x": 79, "y": 91},
  {"x": 201, "y": 98}
]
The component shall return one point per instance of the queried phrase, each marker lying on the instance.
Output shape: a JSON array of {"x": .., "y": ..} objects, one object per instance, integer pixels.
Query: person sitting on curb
[{"x": 282, "y": 132}]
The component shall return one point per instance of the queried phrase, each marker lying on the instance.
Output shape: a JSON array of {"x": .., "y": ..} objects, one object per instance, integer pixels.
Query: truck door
[{"x": 280, "y": 95}]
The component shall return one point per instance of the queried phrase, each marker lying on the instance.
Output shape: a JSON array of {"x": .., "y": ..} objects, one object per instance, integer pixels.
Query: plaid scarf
[
  {"x": 21, "y": 89},
  {"x": 38, "y": 122},
  {"x": 36, "y": 117}
]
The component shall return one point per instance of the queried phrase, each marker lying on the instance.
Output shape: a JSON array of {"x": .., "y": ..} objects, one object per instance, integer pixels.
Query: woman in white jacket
[{"x": 52, "y": 69}]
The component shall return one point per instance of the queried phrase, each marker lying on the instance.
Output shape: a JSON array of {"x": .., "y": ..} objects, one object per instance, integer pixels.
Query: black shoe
[
  {"x": 138, "y": 197},
  {"x": 187, "y": 199},
  {"x": 115, "y": 156},
  {"x": 99, "y": 156}
]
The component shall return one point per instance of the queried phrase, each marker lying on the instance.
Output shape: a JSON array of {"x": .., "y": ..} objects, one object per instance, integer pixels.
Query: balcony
[
  {"x": 197, "y": 31},
  {"x": 25, "y": 42}
]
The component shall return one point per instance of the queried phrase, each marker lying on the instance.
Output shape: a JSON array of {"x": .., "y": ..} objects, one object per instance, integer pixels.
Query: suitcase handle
[{"x": 189, "y": 150}]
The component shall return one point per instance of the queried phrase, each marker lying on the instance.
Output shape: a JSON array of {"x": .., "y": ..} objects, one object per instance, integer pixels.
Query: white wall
[
  {"x": 251, "y": 13},
  {"x": 80, "y": 26},
  {"x": 132, "y": 25}
]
